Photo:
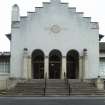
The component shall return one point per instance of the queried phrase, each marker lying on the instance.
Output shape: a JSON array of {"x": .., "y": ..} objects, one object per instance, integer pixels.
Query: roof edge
[{"x": 8, "y": 36}]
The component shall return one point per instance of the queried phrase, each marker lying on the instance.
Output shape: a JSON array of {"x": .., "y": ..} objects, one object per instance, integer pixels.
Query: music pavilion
[{"x": 55, "y": 42}]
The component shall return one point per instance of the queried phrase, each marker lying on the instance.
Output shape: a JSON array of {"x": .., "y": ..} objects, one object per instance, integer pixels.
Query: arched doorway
[
  {"x": 55, "y": 63},
  {"x": 37, "y": 64},
  {"x": 72, "y": 64}
]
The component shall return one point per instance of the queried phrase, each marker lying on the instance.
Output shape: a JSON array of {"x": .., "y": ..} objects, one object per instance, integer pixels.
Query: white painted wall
[
  {"x": 102, "y": 65},
  {"x": 102, "y": 68},
  {"x": 34, "y": 32},
  {"x": 3, "y": 80}
]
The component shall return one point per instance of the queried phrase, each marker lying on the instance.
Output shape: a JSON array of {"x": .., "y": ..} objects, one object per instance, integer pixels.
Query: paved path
[{"x": 52, "y": 100}]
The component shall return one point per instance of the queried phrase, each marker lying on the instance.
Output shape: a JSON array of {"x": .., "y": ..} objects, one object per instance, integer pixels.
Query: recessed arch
[
  {"x": 38, "y": 64},
  {"x": 55, "y": 64},
  {"x": 72, "y": 65}
]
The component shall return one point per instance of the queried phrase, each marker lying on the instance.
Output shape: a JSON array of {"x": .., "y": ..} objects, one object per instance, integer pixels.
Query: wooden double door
[{"x": 54, "y": 70}]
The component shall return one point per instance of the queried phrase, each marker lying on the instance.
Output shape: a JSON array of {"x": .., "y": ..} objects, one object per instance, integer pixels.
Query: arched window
[
  {"x": 38, "y": 64},
  {"x": 55, "y": 63},
  {"x": 72, "y": 64}
]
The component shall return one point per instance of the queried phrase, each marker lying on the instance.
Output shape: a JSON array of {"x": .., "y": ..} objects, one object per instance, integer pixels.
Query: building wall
[
  {"x": 55, "y": 26},
  {"x": 102, "y": 68},
  {"x": 102, "y": 65},
  {"x": 4, "y": 70}
]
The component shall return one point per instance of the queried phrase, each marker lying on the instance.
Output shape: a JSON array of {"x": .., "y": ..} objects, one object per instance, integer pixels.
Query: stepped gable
[{"x": 71, "y": 10}]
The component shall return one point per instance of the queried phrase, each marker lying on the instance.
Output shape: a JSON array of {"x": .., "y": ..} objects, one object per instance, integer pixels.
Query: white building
[{"x": 55, "y": 42}]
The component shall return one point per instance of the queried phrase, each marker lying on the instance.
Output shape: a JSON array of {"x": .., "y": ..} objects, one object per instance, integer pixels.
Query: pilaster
[
  {"x": 100, "y": 84},
  {"x": 29, "y": 73},
  {"x": 25, "y": 64},
  {"x": 46, "y": 67},
  {"x": 81, "y": 74},
  {"x": 63, "y": 72},
  {"x": 85, "y": 63}
]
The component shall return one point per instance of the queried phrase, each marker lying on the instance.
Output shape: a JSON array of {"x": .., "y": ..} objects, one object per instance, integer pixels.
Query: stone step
[
  {"x": 55, "y": 80},
  {"x": 81, "y": 85},
  {"x": 56, "y": 90},
  {"x": 61, "y": 82},
  {"x": 37, "y": 90},
  {"x": 56, "y": 94},
  {"x": 81, "y": 88},
  {"x": 36, "y": 94},
  {"x": 29, "y": 83},
  {"x": 22, "y": 92},
  {"x": 54, "y": 87},
  {"x": 86, "y": 93},
  {"x": 74, "y": 80},
  {"x": 74, "y": 89},
  {"x": 20, "y": 86}
]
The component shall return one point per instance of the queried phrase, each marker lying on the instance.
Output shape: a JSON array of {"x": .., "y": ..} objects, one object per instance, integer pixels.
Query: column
[
  {"x": 85, "y": 63},
  {"x": 63, "y": 67},
  {"x": 81, "y": 67},
  {"x": 29, "y": 73},
  {"x": 46, "y": 67},
  {"x": 100, "y": 83},
  {"x": 25, "y": 64}
]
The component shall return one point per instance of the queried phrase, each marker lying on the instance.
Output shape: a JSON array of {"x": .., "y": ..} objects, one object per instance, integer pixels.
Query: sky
[{"x": 91, "y": 8}]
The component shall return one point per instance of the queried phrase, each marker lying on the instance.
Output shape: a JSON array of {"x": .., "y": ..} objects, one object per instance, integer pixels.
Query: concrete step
[
  {"x": 56, "y": 94},
  {"x": 54, "y": 87},
  {"x": 31, "y": 86}
]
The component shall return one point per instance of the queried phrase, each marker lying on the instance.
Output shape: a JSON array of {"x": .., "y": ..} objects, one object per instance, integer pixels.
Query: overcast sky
[{"x": 91, "y": 8}]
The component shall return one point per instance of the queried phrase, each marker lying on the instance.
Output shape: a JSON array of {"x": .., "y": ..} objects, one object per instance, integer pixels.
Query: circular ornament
[{"x": 55, "y": 28}]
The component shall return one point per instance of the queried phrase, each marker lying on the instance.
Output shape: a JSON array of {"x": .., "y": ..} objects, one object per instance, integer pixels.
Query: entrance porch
[{"x": 54, "y": 66}]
